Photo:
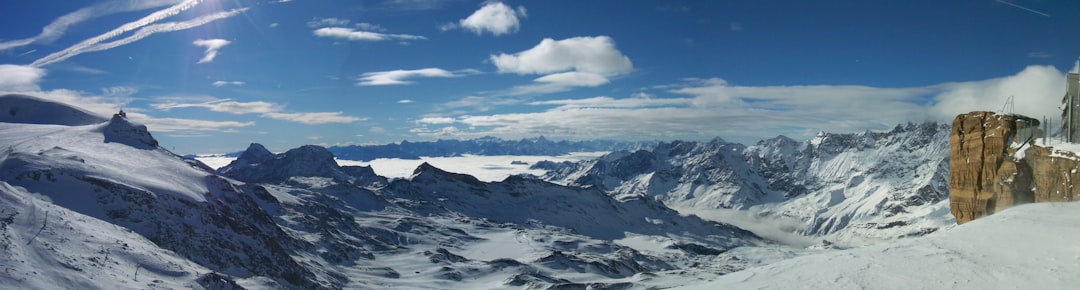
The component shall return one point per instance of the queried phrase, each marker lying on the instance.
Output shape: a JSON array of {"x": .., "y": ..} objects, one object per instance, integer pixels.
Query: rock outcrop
[{"x": 995, "y": 164}]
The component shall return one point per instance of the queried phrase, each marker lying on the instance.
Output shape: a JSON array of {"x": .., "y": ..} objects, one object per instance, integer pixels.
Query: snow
[
  {"x": 45, "y": 246},
  {"x": 215, "y": 162},
  {"x": 1063, "y": 149},
  {"x": 1031, "y": 246},
  {"x": 777, "y": 228}
]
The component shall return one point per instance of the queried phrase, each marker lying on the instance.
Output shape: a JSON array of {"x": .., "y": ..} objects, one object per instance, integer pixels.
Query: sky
[{"x": 213, "y": 76}]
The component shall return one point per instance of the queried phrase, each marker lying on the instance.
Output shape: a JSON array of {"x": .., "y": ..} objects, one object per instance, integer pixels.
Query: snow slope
[
  {"x": 1030, "y": 246},
  {"x": 16, "y": 108},
  {"x": 46, "y": 246}
]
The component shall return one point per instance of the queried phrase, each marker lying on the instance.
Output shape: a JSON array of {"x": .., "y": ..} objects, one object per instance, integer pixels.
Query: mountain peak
[
  {"x": 427, "y": 171},
  {"x": 257, "y": 164},
  {"x": 120, "y": 130},
  {"x": 255, "y": 153}
]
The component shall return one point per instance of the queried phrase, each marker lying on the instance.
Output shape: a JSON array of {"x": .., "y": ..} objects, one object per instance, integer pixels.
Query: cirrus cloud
[
  {"x": 361, "y": 35},
  {"x": 264, "y": 109},
  {"x": 226, "y": 83},
  {"x": 315, "y": 118}
]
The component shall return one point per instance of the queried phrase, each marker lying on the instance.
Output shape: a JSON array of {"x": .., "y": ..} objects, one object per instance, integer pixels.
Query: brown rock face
[
  {"x": 1055, "y": 173},
  {"x": 986, "y": 174},
  {"x": 983, "y": 176}
]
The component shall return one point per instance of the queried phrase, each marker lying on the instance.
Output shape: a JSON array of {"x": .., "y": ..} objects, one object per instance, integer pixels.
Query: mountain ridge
[{"x": 840, "y": 185}]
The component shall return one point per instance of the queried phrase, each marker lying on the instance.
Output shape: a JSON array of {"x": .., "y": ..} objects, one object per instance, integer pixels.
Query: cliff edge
[{"x": 995, "y": 163}]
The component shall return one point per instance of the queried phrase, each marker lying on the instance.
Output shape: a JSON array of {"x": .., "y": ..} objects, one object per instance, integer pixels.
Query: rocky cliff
[{"x": 996, "y": 164}]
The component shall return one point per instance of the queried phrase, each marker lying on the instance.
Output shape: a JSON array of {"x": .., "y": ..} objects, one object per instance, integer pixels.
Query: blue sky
[{"x": 212, "y": 76}]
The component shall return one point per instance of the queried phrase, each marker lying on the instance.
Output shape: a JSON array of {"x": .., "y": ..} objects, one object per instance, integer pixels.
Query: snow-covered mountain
[
  {"x": 115, "y": 172},
  {"x": 101, "y": 205},
  {"x": 520, "y": 231},
  {"x": 849, "y": 187}
]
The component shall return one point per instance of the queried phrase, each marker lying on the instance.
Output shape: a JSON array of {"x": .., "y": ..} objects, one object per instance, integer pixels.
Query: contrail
[
  {"x": 60, "y": 25},
  {"x": 164, "y": 27},
  {"x": 81, "y": 47},
  {"x": 28, "y": 52},
  {"x": 1022, "y": 7}
]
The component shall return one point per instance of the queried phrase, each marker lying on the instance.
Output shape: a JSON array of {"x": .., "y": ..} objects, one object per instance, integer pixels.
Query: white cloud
[
  {"x": 574, "y": 78},
  {"x": 596, "y": 55},
  {"x": 326, "y": 22},
  {"x": 609, "y": 102},
  {"x": 118, "y": 91},
  {"x": 145, "y": 28},
  {"x": 567, "y": 64},
  {"x": 436, "y": 120},
  {"x": 399, "y": 77},
  {"x": 212, "y": 46},
  {"x": 406, "y": 101},
  {"x": 1037, "y": 90},
  {"x": 19, "y": 78},
  {"x": 711, "y": 107},
  {"x": 480, "y": 103},
  {"x": 369, "y": 27},
  {"x": 178, "y": 124},
  {"x": 78, "y": 68},
  {"x": 360, "y": 35},
  {"x": 59, "y": 26},
  {"x": 495, "y": 18},
  {"x": 559, "y": 82},
  {"x": 226, "y": 83},
  {"x": 224, "y": 106},
  {"x": 264, "y": 109},
  {"x": 274, "y": 25},
  {"x": 313, "y": 118}
]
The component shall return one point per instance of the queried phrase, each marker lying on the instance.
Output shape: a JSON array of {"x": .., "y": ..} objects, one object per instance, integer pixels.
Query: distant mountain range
[{"x": 482, "y": 146}]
